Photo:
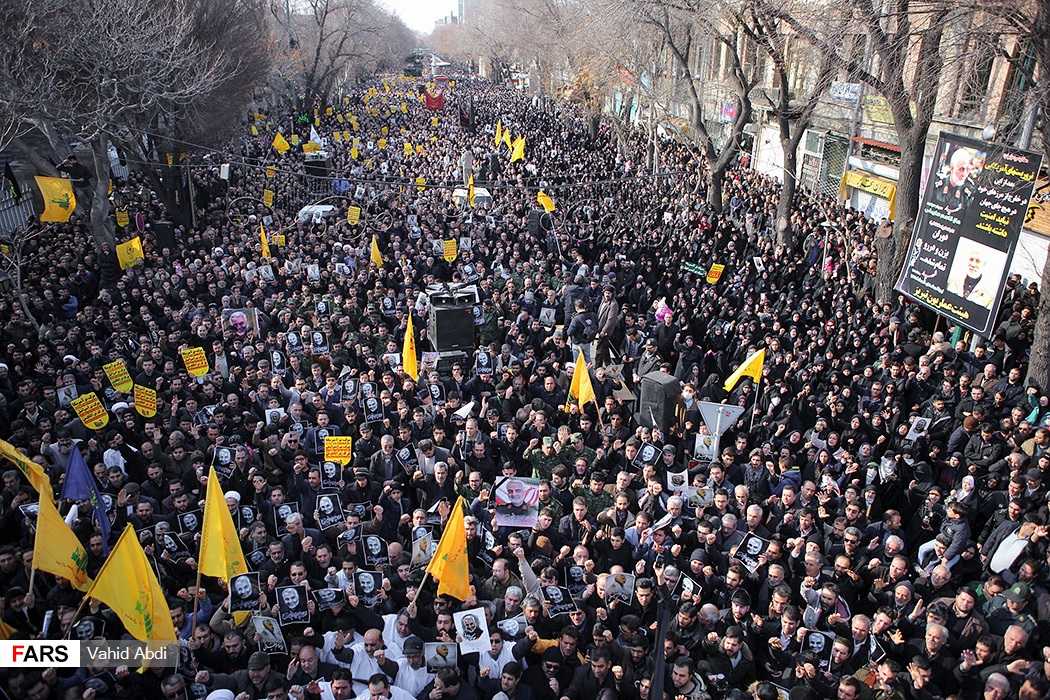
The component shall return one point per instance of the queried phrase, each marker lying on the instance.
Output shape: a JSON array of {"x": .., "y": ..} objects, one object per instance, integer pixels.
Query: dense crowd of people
[{"x": 874, "y": 524}]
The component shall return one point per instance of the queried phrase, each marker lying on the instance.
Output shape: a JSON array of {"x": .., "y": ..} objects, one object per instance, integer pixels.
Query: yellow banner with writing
[
  {"x": 267, "y": 198},
  {"x": 1037, "y": 219},
  {"x": 353, "y": 215},
  {"x": 872, "y": 184},
  {"x": 90, "y": 411},
  {"x": 196, "y": 361},
  {"x": 145, "y": 401},
  {"x": 715, "y": 273},
  {"x": 338, "y": 448},
  {"x": 118, "y": 375},
  {"x": 122, "y": 218},
  {"x": 451, "y": 250}
]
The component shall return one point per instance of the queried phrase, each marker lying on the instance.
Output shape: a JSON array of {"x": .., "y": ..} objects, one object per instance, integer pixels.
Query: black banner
[{"x": 964, "y": 238}]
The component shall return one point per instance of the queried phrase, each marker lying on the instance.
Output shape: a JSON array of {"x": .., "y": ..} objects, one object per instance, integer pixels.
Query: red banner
[{"x": 435, "y": 102}]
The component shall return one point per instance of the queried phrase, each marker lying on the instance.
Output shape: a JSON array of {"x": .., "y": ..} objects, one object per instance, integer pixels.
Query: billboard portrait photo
[{"x": 967, "y": 230}]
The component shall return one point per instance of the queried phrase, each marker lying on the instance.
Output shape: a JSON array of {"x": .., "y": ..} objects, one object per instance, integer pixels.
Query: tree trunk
[
  {"x": 102, "y": 227},
  {"x": 1039, "y": 358},
  {"x": 785, "y": 231},
  {"x": 891, "y": 251},
  {"x": 714, "y": 188}
]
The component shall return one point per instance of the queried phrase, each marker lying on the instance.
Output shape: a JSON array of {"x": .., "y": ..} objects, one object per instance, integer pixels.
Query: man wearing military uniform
[
  {"x": 543, "y": 460},
  {"x": 577, "y": 450}
]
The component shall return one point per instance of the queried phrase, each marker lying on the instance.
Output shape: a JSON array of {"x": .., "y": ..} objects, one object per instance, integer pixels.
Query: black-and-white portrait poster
[
  {"x": 513, "y": 628},
  {"x": 439, "y": 655},
  {"x": 246, "y": 515},
  {"x": 819, "y": 643},
  {"x": 291, "y": 605},
  {"x": 362, "y": 510},
  {"x": 351, "y": 388},
  {"x": 372, "y": 410},
  {"x": 423, "y": 548},
  {"x": 280, "y": 513},
  {"x": 620, "y": 587},
  {"x": 329, "y": 511},
  {"x": 576, "y": 579},
  {"x": 293, "y": 342},
  {"x": 89, "y": 627},
  {"x": 331, "y": 474},
  {"x": 190, "y": 523},
  {"x": 328, "y": 598},
  {"x": 278, "y": 362},
  {"x": 437, "y": 393},
  {"x": 473, "y": 630},
  {"x": 223, "y": 462},
  {"x": 686, "y": 588},
  {"x": 648, "y": 454},
  {"x": 257, "y": 557},
  {"x": 750, "y": 549},
  {"x": 268, "y": 635},
  {"x": 560, "y": 600},
  {"x": 274, "y": 416},
  {"x": 367, "y": 587},
  {"x": 318, "y": 343},
  {"x": 171, "y": 543},
  {"x": 406, "y": 459},
  {"x": 373, "y": 547},
  {"x": 244, "y": 592},
  {"x": 368, "y": 390}
]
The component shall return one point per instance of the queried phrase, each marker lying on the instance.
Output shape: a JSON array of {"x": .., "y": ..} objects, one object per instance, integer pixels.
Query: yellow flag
[
  {"x": 127, "y": 584},
  {"x": 294, "y": 139},
  {"x": 32, "y": 471},
  {"x": 408, "y": 352},
  {"x": 752, "y": 367},
  {"x": 499, "y": 132},
  {"x": 404, "y": 108},
  {"x": 374, "y": 255},
  {"x": 338, "y": 449},
  {"x": 421, "y": 183},
  {"x": 506, "y": 139},
  {"x": 254, "y": 130},
  {"x": 145, "y": 401},
  {"x": 337, "y": 136},
  {"x": 122, "y": 218},
  {"x": 406, "y": 147},
  {"x": 354, "y": 153},
  {"x": 270, "y": 172},
  {"x": 118, "y": 375},
  {"x": 221, "y": 554},
  {"x": 470, "y": 191},
  {"x": 311, "y": 146},
  {"x": 280, "y": 144},
  {"x": 450, "y": 566},
  {"x": 581, "y": 387},
  {"x": 129, "y": 253},
  {"x": 518, "y": 152},
  {"x": 353, "y": 215},
  {"x": 57, "y": 550},
  {"x": 267, "y": 198},
  {"x": 381, "y": 143},
  {"x": 545, "y": 201},
  {"x": 420, "y": 150},
  {"x": 195, "y": 360},
  {"x": 263, "y": 243},
  {"x": 90, "y": 411},
  {"x": 434, "y": 121}
]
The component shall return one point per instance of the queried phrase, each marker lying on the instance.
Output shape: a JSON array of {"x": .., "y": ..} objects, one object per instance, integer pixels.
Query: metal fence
[{"x": 13, "y": 212}]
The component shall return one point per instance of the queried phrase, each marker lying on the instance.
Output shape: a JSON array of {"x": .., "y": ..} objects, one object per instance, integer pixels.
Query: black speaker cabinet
[
  {"x": 451, "y": 328},
  {"x": 657, "y": 398}
]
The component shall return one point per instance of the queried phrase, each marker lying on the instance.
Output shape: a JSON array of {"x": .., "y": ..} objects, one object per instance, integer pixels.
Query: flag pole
[{"x": 758, "y": 396}]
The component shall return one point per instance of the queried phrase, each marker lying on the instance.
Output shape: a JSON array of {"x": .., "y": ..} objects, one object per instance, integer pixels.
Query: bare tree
[
  {"x": 684, "y": 26},
  {"x": 905, "y": 38},
  {"x": 793, "y": 111}
]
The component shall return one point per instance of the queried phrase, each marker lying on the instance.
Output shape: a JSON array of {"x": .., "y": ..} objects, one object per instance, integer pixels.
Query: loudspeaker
[
  {"x": 451, "y": 328},
  {"x": 657, "y": 398},
  {"x": 165, "y": 236}
]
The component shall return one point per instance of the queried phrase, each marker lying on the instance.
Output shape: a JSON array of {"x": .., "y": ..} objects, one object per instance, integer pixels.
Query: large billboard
[{"x": 965, "y": 235}]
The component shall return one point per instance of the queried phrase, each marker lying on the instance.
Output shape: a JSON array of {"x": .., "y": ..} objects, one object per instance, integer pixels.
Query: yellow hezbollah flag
[
  {"x": 127, "y": 584},
  {"x": 374, "y": 255},
  {"x": 59, "y": 200},
  {"x": 221, "y": 554},
  {"x": 518, "y": 152},
  {"x": 90, "y": 411},
  {"x": 118, "y": 375},
  {"x": 470, "y": 191},
  {"x": 408, "y": 352},
  {"x": 581, "y": 383},
  {"x": 545, "y": 201},
  {"x": 280, "y": 144},
  {"x": 499, "y": 132},
  {"x": 752, "y": 367},
  {"x": 130, "y": 253},
  {"x": 449, "y": 565},
  {"x": 145, "y": 401},
  {"x": 506, "y": 139},
  {"x": 57, "y": 550},
  {"x": 263, "y": 243},
  {"x": 32, "y": 471}
]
